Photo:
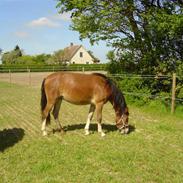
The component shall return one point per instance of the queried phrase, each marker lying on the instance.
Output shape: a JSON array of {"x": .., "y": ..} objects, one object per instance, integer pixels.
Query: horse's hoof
[
  {"x": 62, "y": 131},
  {"x": 45, "y": 134},
  {"x": 102, "y": 134},
  {"x": 87, "y": 132},
  {"x": 124, "y": 131}
]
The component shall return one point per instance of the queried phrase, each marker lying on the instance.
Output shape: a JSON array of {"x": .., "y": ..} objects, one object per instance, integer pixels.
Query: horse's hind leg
[
  {"x": 45, "y": 114},
  {"x": 56, "y": 113},
  {"x": 99, "y": 118},
  {"x": 90, "y": 116}
]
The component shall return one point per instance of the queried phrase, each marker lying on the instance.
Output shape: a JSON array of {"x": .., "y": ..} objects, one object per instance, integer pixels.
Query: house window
[
  {"x": 87, "y": 62},
  {"x": 81, "y": 54}
]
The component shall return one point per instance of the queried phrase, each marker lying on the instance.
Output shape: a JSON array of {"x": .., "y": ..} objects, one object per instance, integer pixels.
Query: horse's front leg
[
  {"x": 90, "y": 116},
  {"x": 43, "y": 127},
  {"x": 99, "y": 108}
]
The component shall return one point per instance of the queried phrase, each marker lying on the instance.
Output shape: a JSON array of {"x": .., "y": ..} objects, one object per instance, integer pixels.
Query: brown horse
[{"x": 94, "y": 89}]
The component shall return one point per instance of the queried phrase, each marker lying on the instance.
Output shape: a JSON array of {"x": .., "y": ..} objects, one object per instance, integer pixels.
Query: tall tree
[
  {"x": 17, "y": 51},
  {"x": 57, "y": 58},
  {"x": 146, "y": 33},
  {"x": 11, "y": 57}
]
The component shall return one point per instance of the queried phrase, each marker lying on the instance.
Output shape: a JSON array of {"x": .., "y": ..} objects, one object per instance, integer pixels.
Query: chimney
[{"x": 71, "y": 44}]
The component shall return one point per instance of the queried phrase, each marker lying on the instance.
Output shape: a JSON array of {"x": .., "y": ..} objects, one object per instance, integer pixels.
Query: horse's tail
[{"x": 43, "y": 103}]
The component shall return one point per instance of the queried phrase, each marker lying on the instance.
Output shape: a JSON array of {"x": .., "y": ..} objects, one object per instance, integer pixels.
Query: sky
[{"x": 37, "y": 27}]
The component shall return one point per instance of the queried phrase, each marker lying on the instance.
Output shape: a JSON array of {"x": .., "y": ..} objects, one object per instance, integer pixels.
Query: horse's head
[{"x": 122, "y": 121}]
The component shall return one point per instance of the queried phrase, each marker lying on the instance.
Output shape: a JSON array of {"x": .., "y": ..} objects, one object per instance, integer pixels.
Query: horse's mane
[
  {"x": 117, "y": 98},
  {"x": 101, "y": 75}
]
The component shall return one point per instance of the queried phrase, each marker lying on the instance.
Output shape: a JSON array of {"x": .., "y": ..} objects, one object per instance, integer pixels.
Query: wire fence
[
  {"x": 34, "y": 79},
  {"x": 170, "y": 96}
]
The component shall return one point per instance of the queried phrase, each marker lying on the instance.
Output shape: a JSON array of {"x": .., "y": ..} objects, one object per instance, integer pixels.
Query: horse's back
[{"x": 79, "y": 88}]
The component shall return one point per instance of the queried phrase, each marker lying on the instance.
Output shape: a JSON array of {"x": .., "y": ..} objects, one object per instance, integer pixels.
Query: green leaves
[{"x": 151, "y": 31}]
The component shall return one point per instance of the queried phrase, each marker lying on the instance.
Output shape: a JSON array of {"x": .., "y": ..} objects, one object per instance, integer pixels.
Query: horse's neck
[
  {"x": 114, "y": 103},
  {"x": 117, "y": 100}
]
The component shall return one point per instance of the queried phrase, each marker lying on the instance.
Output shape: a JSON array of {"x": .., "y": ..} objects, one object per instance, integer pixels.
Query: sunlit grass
[{"x": 152, "y": 152}]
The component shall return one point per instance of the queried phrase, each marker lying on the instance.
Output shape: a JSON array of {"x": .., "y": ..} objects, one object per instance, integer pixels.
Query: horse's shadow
[
  {"x": 93, "y": 127},
  {"x": 9, "y": 137}
]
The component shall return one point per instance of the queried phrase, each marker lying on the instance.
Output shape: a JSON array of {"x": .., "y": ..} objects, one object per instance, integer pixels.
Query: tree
[
  {"x": 41, "y": 58},
  {"x": 57, "y": 58},
  {"x": 25, "y": 59},
  {"x": 11, "y": 57},
  {"x": 17, "y": 51},
  {"x": 146, "y": 33}
]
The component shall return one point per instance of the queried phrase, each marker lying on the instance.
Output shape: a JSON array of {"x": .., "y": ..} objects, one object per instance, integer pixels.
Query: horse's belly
[{"x": 78, "y": 100}]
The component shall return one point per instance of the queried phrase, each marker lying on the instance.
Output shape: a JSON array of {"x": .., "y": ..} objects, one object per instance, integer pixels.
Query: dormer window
[{"x": 81, "y": 54}]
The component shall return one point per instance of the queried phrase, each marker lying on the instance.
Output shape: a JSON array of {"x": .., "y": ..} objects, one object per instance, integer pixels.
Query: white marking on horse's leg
[
  {"x": 100, "y": 130},
  {"x": 87, "y": 126},
  {"x": 43, "y": 128},
  {"x": 87, "y": 132},
  {"x": 90, "y": 115},
  {"x": 45, "y": 133},
  {"x": 99, "y": 118}
]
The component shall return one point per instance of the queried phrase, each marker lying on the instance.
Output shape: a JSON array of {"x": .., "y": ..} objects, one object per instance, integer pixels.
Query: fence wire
[
  {"x": 35, "y": 78},
  {"x": 152, "y": 77}
]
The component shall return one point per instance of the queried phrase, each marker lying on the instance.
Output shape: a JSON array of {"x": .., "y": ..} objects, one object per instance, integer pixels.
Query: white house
[{"x": 77, "y": 54}]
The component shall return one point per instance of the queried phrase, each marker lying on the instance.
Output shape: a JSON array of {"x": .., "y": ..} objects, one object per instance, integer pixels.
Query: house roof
[{"x": 70, "y": 51}]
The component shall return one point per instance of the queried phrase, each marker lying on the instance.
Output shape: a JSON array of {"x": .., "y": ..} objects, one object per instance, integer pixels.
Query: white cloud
[
  {"x": 43, "y": 22},
  {"x": 21, "y": 34}
]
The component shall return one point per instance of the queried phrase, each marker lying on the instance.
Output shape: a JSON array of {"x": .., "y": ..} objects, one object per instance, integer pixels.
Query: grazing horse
[{"x": 77, "y": 88}]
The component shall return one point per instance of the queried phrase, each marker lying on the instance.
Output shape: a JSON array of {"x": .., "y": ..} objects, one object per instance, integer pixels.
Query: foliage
[
  {"x": 41, "y": 58},
  {"x": 56, "y": 58},
  {"x": 25, "y": 59},
  {"x": 10, "y": 57},
  {"x": 52, "y": 68},
  {"x": 146, "y": 35}
]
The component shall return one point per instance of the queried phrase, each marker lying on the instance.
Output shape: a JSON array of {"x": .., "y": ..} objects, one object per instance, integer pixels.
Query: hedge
[{"x": 46, "y": 68}]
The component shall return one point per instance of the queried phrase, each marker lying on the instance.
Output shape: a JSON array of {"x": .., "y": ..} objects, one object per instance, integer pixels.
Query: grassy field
[{"x": 152, "y": 152}]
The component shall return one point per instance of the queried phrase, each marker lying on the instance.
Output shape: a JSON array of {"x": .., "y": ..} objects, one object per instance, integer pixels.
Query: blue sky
[{"x": 36, "y": 27}]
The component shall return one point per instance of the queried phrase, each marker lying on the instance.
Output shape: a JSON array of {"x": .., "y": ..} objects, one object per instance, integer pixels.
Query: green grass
[{"x": 152, "y": 152}]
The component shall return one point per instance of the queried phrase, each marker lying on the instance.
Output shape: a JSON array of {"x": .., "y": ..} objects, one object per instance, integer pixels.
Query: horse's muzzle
[{"x": 124, "y": 130}]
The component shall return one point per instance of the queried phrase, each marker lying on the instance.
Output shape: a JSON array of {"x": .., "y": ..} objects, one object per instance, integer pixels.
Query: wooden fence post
[
  {"x": 29, "y": 77},
  {"x": 173, "y": 92},
  {"x": 10, "y": 76}
]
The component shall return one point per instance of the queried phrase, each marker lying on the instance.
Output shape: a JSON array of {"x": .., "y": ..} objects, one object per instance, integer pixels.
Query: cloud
[
  {"x": 43, "y": 22},
  {"x": 21, "y": 34}
]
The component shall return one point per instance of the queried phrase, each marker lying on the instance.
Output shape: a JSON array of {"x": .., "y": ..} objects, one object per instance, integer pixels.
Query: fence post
[
  {"x": 29, "y": 77},
  {"x": 173, "y": 92},
  {"x": 83, "y": 69},
  {"x": 10, "y": 76}
]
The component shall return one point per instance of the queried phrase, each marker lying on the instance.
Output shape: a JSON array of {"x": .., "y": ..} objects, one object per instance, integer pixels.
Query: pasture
[{"x": 151, "y": 152}]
